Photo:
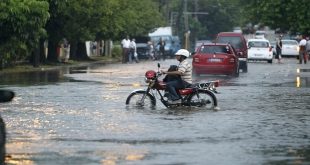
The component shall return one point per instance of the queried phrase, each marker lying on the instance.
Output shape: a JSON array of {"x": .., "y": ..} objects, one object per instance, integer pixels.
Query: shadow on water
[
  {"x": 42, "y": 77},
  {"x": 33, "y": 78}
]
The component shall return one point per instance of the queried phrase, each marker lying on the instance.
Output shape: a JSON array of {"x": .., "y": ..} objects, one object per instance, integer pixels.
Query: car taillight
[
  {"x": 196, "y": 59},
  {"x": 270, "y": 49}
]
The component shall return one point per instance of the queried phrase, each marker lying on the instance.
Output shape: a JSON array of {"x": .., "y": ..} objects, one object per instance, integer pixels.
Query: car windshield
[
  {"x": 234, "y": 41},
  {"x": 214, "y": 49},
  {"x": 258, "y": 44},
  {"x": 292, "y": 42}
]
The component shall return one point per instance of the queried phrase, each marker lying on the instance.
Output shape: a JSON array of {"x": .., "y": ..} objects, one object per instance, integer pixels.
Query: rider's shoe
[{"x": 175, "y": 101}]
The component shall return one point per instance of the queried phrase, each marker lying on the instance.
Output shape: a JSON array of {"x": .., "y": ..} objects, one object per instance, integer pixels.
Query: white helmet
[{"x": 182, "y": 52}]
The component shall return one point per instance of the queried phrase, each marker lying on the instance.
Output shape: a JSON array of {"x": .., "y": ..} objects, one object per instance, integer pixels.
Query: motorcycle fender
[{"x": 138, "y": 91}]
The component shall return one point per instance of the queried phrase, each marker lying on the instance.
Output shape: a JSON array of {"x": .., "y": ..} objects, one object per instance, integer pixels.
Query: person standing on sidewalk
[
  {"x": 302, "y": 50},
  {"x": 125, "y": 46},
  {"x": 308, "y": 48},
  {"x": 133, "y": 51}
]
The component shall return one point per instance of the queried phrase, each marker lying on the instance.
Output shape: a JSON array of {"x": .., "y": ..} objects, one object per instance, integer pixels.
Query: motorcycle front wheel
[
  {"x": 203, "y": 99},
  {"x": 140, "y": 99}
]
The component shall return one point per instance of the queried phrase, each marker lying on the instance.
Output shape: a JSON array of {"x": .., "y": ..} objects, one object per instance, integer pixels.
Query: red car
[{"x": 216, "y": 58}]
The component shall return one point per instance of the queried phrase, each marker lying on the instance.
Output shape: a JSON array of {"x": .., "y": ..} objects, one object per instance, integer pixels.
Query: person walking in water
[{"x": 279, "y": 49}]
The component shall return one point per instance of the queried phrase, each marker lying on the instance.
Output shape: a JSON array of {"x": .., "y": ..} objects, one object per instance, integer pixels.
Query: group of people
[
  {"x": 129, "y": 50},
  {"x": 304, "y": 49}
]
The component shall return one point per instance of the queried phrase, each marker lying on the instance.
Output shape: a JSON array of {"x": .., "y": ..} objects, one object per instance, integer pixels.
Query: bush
[{"x": 117, "y": 52}]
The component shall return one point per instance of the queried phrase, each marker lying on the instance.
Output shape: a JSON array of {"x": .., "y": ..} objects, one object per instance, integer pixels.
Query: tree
[
  {"x": 287, "y": 15},
  {"x": 21, "y": 25},
  {"x": 83, "y": 20}
]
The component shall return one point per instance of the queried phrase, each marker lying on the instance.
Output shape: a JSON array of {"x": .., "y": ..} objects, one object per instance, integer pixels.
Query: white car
[
  {"x": 290, "y": 48},
  {"x": 259, "y": 49}
]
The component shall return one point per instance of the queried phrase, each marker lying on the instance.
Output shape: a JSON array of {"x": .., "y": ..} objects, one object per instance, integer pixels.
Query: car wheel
[{"x": 270, "y": 61}]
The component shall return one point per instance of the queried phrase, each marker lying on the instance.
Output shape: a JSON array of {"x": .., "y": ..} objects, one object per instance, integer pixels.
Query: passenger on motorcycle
[{"x": 184, "y": 71}]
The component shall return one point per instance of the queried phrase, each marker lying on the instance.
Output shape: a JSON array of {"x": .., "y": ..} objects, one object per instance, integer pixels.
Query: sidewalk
[{"x": 70, "y": 63}]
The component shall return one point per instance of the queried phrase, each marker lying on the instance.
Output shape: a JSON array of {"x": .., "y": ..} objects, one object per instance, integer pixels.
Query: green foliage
[
  {"x": 117, "y": 52},
  {"x": 21, "y": 25},
  {"x": 287, "y": 15}
]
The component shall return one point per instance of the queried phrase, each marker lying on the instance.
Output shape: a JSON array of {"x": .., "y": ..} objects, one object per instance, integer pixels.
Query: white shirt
[
  {"x": 303, "y": 42},
  {"x": 125, "y": 43},
  {"x": 186, "y": 69}
]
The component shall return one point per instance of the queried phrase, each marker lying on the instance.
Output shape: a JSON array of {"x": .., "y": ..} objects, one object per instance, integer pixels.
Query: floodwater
[{"x": 78, "y": 116}]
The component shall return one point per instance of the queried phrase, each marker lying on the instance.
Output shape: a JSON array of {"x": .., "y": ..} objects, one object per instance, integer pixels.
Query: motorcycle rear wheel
[
  {"x": 203, "y": 98},
  {"x": 136, "y": 100}
]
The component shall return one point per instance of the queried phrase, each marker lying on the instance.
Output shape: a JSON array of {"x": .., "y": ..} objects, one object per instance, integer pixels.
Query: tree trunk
[
  {"x": 36, "y": 56},
  {"x": 81, "y": 52},
  {"x": 52, "y": 51},
  {"x": 73, "y": 48},
  {"x": 42, "y": 51}
]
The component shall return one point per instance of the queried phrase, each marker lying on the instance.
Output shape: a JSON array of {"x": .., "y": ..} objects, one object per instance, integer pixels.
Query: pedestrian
[
  {"x": 308, "y": 48},
  {"x": 151, "y": 50},
  {"x": 162, "y": 45},
  {"x": 279, "y": 49},
  {"x": 184, "y": 70},
  {"x": 133, "y": 51},
  {"x": 94, "y": 48},
  {"x": 66, "y": 46},
  {"x": 302, "y": 50},
  {"x": 125, "y": 47}
]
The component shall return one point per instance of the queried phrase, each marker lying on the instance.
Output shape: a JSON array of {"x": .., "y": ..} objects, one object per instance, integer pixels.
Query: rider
[{"x": 185, "y": 71}]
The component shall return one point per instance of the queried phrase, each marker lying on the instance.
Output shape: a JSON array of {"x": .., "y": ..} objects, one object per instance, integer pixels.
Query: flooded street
[{"x": 78, "y": 116}]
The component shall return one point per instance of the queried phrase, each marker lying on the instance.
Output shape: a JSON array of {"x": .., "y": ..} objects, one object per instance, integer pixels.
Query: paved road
[{"x": 78, "y": 116}]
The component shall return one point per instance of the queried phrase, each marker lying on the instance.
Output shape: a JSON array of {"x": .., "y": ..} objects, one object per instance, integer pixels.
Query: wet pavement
[{"x": 78, "y": 116}]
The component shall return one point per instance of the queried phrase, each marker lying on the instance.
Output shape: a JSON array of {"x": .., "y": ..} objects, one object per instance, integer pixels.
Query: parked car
[
  {"x": 215, "y": 58},
  {"x": 290, "y": 48},
  {"x": 238, "y": 41},
  {"x": 259, "y": 49},
  {"x": 142, "y": 47}
]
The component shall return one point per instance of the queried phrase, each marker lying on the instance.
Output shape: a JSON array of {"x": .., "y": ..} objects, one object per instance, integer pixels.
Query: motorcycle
[{"x": 198, "y": 95}]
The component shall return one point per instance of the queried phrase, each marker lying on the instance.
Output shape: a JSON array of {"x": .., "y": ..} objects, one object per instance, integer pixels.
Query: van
[{"x": 238, "y": 41}]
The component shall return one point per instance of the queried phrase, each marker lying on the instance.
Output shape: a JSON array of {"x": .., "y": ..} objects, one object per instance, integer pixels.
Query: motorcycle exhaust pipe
[{"x": 6, "y": 95}]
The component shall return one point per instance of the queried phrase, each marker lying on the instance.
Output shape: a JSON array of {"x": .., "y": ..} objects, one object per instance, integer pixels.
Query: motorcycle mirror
[
  {"x": 6, "y": 95},
  {"x": 158, "y": 65}
]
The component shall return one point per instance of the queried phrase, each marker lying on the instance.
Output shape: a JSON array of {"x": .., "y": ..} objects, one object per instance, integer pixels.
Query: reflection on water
[{"x": 303, "y": 78}]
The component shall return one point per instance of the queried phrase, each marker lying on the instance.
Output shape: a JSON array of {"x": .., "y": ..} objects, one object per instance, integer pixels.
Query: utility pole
[{"x": 187, "y": 32}]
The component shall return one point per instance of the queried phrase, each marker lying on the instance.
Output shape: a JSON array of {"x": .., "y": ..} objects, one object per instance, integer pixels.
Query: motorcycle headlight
[{"x": 147, "y": 80}]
